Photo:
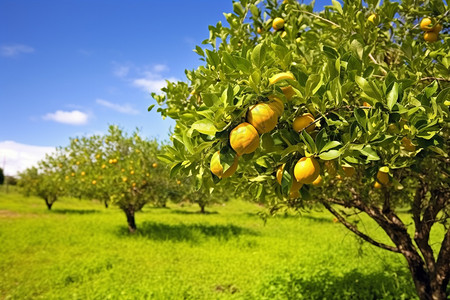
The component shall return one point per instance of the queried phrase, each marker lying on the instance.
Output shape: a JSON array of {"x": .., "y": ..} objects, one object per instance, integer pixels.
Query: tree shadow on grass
[
  {"x": 323, "y": 284},
  {"x": 75, "y": 211},
  {"x": 187, "y": 232},
  {"x": 186, "y": 212}
]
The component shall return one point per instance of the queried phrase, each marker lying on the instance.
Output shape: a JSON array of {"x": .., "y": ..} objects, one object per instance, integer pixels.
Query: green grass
[{"x": 80, "y": 250}]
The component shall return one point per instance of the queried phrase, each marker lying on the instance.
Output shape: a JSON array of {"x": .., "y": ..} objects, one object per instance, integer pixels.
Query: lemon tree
[
  {"x": 347, "y": 108},
  {"x": 45, "y": 181},
  {"x": 119, "y": 169}
]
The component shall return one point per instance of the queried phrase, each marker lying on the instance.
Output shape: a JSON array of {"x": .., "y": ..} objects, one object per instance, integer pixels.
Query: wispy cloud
[
  {"x": 125, "y": 108},
  {"x": 14, "y": 50},
  {"x": 148, "y": 78},
  {"x": 151, "y": 82},
  {"x": 16, "y": 157},
  {"x": 74, "y": 117}
]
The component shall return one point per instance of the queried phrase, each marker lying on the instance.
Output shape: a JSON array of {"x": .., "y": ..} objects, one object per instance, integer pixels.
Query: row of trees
[
  {"x": 115, "y": 169},
  {"x": 356, "y": 94}
]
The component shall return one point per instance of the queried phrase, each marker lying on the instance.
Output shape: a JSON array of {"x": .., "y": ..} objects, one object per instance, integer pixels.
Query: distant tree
[
  {"x": 119, "y": 169},
  {"x": 2, "y": 176}
]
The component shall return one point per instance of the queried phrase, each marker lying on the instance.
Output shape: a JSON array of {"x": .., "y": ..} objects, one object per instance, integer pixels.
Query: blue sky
[{"x": 72, "y": 67}]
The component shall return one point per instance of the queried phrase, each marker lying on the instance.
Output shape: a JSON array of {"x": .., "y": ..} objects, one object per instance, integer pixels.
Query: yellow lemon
[
  {"x": 430, "y": 37},
  {"x": 377, "y": 185},
  {"x": 437, "y": 28},
  {"x": 278, "y": 23},
  {"x": 217, "y": 168},
  {"x": 262, "y": 117},
  {"x": 318, "y": 181},
  {"x": 302, "y": 122},
  {"x": 281, "y": 76},
  {"x": 425, "y": 24},
  {"x": 373, "y": 18},
  {"x": 276, "y": 104},
  {"x": 244, "y": 138},
  {"x": 288, "y": 91},
  {"x": 155, "y": 165},
  {"x": 383, "y": 177},
  {"x": 306, "y": 170},
  {"x": 94, "y": 182}
]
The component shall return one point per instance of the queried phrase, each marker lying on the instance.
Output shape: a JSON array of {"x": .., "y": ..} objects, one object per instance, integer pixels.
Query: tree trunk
[
  {"x": 49, "y": 204},
  {"x": 106, "y": 203},
  {"x": 130, "y": 219},
  {"x": 202, "y": 208}
]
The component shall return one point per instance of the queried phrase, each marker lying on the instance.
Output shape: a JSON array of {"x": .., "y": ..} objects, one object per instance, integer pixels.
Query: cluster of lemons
[{"x": 431, "y": 28}]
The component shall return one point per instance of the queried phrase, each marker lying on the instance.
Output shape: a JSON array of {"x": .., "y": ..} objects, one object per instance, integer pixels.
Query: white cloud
[
  {"x": 74, "y": 117},
  {"x": 121, "y": 70},
  {"x": 16, "y": 157},
  {"x": 125, "y": 109},
  {"x": 151, "y": 82},
  {"x": 14, "y": 50},
  {"x": 160, "y": 68}
]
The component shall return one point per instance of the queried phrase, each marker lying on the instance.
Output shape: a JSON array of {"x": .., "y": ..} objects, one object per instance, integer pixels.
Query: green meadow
[{"x": 81, "y": 250}]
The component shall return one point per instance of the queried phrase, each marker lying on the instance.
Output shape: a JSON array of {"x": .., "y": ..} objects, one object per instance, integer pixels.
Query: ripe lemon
[
  {"x": 77, "y": 162},
  {"x": 217, "y": 168},
  {"x": 377, "y": 185},
  {"x": 373, "y": 18},
  {"x": 383, "y": 177},
  {"x": 259, "y": 30},
  {"x": 133, "y": 184},
  {"x": 278, "y": 23},
  {"x": 288, "y": 91},
  {"x": 430, "y": 36},
  {"x": 262, "y": 117},
  {"x": 154, "y": 165},
  {"x": 437, "y": 28},
  {"x": 103, "y": 166},
  {"x": 302, "y": 121},
  {"x": 244, "y": 138},
  {"x": 318, "y": 181},
  {"x": 295, "y": 187},
  {"x": 425, "y": 24},
  {"x": 83, "y": 173},
  {"x": 349, "y": 171},
  {"x": 72, "y": 174},
  {"x": 277, "y": 105},
  {"x": 306, "y": 170},
  {"x": 406, "y": 143},
  {"x": 94, "y": 182},
  {"x": 178, "y": 182},
  {"x": 131, "y": 172},
  {"x": 281, "y": 76},
  {"x": 124, "y": 179},
  {"x": 366, "y": 104}
]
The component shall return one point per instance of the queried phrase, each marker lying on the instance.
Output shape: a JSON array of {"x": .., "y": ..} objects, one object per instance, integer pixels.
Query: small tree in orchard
[
  {"x": 119, "y": 169},
  {"x": 45, "y": 181},
  {"x": 347, "y": 108}
]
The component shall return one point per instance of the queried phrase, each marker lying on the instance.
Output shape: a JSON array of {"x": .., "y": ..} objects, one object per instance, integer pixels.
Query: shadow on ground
[
  {"x": 324, "y": 284},
  {"x": 185, "y": 212},
  {"x": 75, "y": 211},
  {"x": 187, "y": 232}
]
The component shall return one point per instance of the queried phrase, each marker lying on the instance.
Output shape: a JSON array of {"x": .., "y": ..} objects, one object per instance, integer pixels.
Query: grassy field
[{"x": 81, "y": 250}]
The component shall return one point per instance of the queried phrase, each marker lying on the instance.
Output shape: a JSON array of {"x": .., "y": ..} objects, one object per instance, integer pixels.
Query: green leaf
[
  {"x": 392, "y": 96},
  {"x": 209, "y": 99},
  {"x": 330, "y": 52},
  {"x": 338, "y": 6},
  {"x": 151, "y": 107},
  {"x": 370, "y": 153},
  {"x": 199, "y": 51},
  {"x": 205, "y": 126},
  {"x": 310, "y": 144},
  {"x": 443, "y": 95},
  {"x": 330, "y": 155},
  {"x": 258, "y": 55},
  {"x": 368, "y": 89},
  {"x": 361, "y": 117},
  {"x": 313, "y": 84},
  {"x": 330, "y": 145},
  {"x": 175, "y": 169},
  {"x": 243, "y": 64}
]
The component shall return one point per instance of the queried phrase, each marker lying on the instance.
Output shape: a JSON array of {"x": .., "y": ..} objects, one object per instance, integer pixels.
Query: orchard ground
[{"x": 81, "y": 250}]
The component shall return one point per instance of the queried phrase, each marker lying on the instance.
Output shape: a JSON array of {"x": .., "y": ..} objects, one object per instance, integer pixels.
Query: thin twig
[
  {"x": 375, "y": 62},
  {"x": 355, "y": 230},
  {"x": 435, "y": 78},
  {"x": 318, "y": 17}
]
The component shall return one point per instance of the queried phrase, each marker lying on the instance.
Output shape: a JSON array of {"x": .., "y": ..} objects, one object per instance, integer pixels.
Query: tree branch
[{"x": 355, "y": 230}]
